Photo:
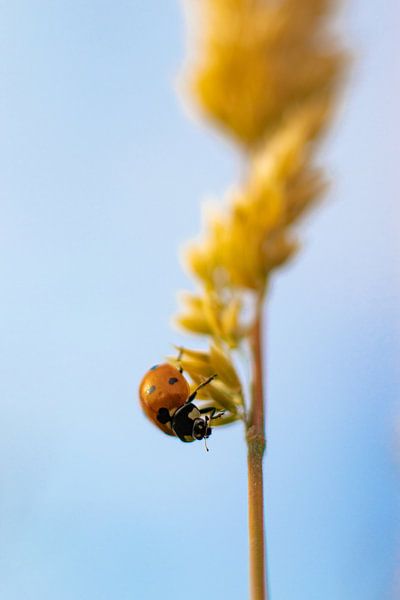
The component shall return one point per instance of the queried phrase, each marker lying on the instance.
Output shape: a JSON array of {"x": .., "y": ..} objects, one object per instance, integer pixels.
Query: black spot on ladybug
[
  {"x": 151, "y": 389},
  {"x": 172, "y": 380},
  {"x": 163, "y": 416},
  {"x": 153, "y": 368}
]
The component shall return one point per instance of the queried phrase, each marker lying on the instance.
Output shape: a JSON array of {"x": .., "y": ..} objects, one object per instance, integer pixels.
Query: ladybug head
[{"x": 200, "y": 429}]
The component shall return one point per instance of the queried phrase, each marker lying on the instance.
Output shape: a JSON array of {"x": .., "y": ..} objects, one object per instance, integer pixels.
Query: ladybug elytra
[{"x": 167, "y": 401}]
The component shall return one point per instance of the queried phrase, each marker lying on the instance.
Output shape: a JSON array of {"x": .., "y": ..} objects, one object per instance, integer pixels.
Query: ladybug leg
[
  {"x": 214, "y": 413},
  {"x": 201, "y": 385},
  {"x": 178, "y": 360}
]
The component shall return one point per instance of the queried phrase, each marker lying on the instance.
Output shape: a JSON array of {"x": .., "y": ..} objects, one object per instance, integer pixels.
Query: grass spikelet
[
  {"x": 267, "y": 73},
  {"x": 223, "y": 365}
]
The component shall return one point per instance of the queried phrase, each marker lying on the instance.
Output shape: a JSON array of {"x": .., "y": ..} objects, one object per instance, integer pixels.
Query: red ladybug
[{"x": 166, "y": 400}]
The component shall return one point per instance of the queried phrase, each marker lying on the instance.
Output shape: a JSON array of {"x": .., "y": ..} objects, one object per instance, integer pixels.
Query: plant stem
[{"x": 256, "y": 447}]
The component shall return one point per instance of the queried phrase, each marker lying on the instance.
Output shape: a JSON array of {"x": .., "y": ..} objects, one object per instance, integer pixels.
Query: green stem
[{"x": 256, "y": 447}]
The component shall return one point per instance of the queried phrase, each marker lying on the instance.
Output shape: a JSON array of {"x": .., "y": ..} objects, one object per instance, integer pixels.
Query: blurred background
[{"x": 101, "y": 178}]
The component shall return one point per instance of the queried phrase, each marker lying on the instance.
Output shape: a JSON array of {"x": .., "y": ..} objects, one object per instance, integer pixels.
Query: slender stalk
[{"x": 256, "y": 447}]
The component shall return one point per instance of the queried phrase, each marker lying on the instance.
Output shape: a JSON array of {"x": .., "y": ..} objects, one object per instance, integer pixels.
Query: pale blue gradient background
[{"x": 101, "y": 175}]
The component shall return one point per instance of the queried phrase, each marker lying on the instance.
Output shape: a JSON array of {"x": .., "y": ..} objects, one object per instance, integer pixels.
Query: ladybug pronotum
[{"x": 167, "y": 401}]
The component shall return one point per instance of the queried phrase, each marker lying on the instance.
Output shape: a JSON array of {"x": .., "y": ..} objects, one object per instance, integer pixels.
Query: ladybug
[{"x": 167, "y": 401}]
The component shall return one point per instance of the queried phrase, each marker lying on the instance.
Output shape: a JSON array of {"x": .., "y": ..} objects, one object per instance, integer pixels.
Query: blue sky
[{"x": 102, "y": 174}]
